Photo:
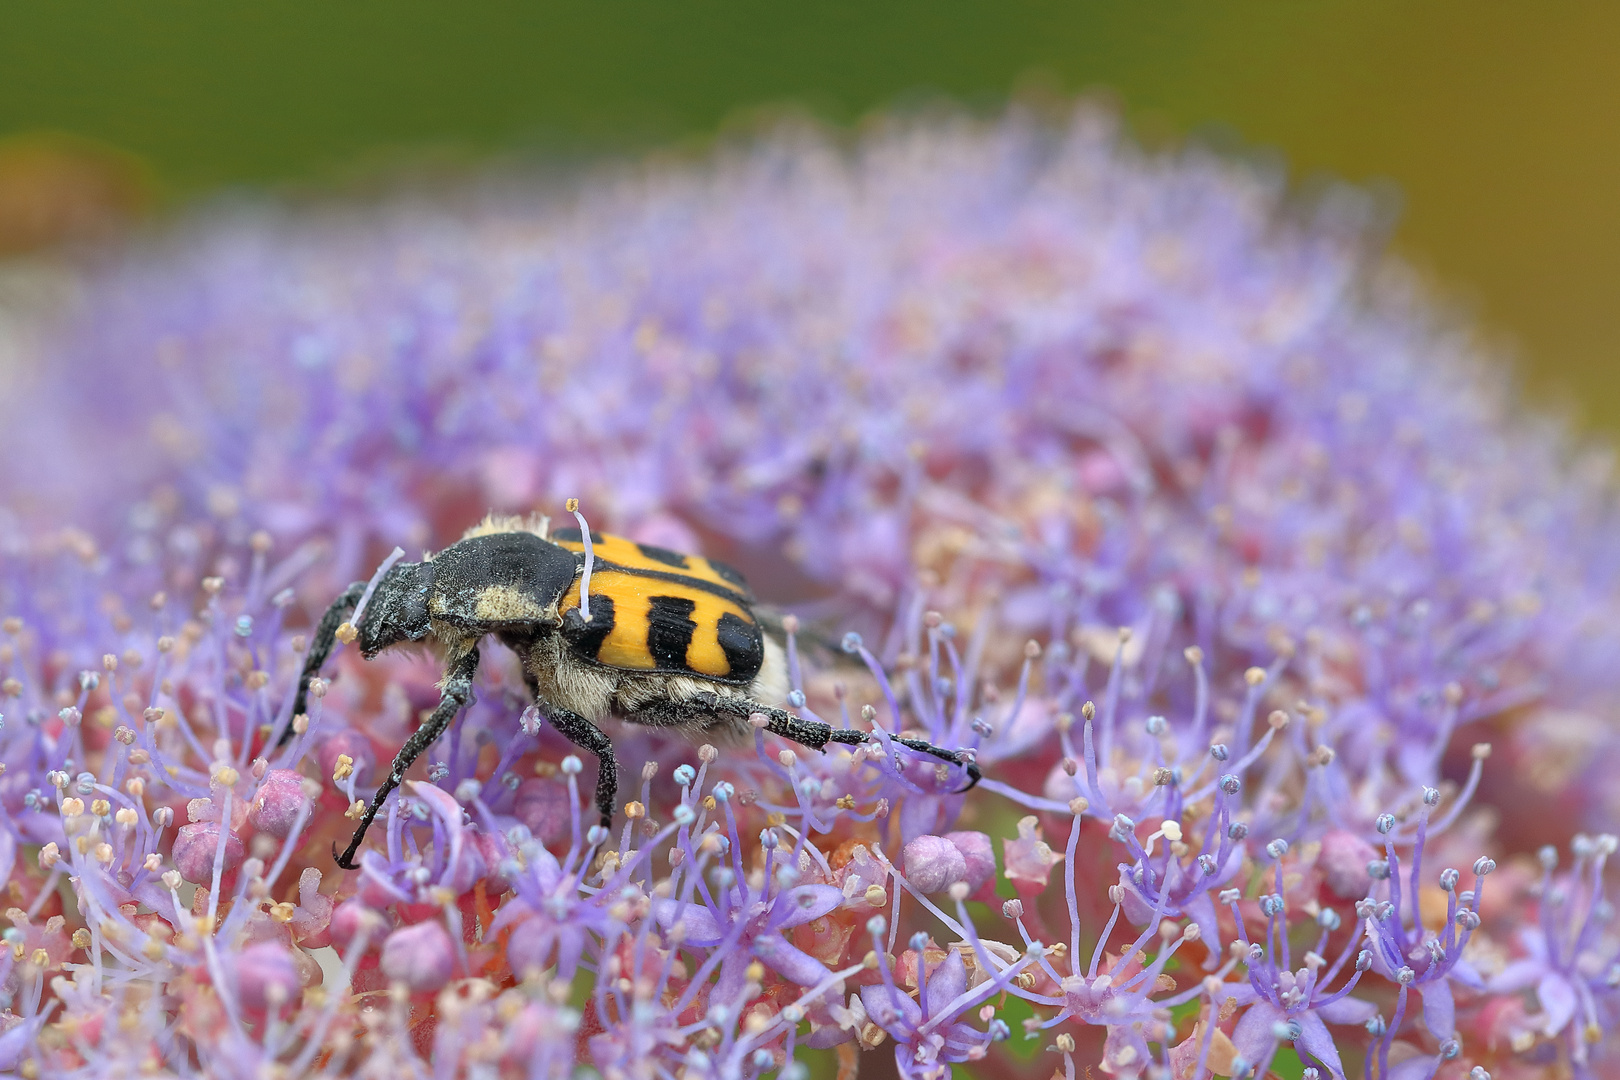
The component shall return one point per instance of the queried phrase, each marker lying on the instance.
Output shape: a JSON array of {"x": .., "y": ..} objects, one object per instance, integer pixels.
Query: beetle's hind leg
[
  {"x": 320, "y": 647},
  {"x": 924, "y": 747},
  {"x": 457, "y": 692},
  {"x": 811, "y": 733}
]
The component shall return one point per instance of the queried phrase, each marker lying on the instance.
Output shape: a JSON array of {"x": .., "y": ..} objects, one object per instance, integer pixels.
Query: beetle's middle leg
[{"x": 587, "y": 736}]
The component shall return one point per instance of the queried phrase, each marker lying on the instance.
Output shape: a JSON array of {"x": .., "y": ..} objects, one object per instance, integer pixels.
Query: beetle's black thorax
[{"x": 499, "y": 579}]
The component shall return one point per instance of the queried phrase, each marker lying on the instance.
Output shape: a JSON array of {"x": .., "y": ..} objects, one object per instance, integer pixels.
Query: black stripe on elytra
[
  {"x": 743, "y": 645},
  {"x": 669, "y": 631},
  {"x": 664, "y": 555},
  {"x": 740, "y": 597},
  {"x": 586, "y": 638}
]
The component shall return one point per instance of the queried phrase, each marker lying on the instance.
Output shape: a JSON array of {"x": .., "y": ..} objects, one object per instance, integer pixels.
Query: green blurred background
[{"x": 1496, "y": 123}]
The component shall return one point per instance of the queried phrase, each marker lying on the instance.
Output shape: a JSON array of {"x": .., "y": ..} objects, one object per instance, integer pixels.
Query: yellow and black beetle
[{"x": 649, "y": 636}]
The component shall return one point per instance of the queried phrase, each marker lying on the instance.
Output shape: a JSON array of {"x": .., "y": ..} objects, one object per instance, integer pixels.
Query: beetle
[{"x": 604, "y": 627}]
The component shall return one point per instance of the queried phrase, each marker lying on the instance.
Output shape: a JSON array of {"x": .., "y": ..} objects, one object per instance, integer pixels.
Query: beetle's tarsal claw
[
  {"x": 974, "y": 776},
  {"x": 924, "y": 747}
]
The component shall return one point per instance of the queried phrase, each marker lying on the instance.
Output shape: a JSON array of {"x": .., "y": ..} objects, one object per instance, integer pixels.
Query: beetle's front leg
[{"x": 457, "y": 692}]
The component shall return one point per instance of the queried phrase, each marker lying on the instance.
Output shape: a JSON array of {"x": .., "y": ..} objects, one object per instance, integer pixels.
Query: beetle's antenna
[
  {"x": 590, "y": 558},
  {"x": 371, "y": 586},
  {"x": 332, "y": 628}
]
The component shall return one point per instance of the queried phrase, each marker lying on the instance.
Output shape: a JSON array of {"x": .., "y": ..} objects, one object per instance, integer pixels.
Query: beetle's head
[{"x": 397, "y": 610}]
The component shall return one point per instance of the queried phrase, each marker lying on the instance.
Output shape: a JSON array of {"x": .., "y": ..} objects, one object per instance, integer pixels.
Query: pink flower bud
[
  {"x": 979, "y": 856},
  {"x": 542, "y": 805},
  {"x": 194, "y": 848},
  {"x": 933, "y": 863},
  {"x": 359, "y": 750},
  {"x": 279, "y": 801},
  {"x": 1343, "y": 863},
  {"x": 266, "y": 976},
  {"x": 422, "y": 957},
  {"x": 350, "y": 918}
]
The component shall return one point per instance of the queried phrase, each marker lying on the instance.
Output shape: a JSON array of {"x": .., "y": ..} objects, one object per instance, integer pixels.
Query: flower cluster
[{"x": 1231, "y": 566}]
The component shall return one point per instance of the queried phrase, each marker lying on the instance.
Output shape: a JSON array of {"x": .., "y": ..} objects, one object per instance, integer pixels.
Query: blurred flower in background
[{"x": 1263, "y": 605}]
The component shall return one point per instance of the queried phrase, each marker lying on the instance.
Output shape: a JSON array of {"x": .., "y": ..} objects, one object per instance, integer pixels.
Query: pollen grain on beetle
[{"x": 1110, "y": 477}]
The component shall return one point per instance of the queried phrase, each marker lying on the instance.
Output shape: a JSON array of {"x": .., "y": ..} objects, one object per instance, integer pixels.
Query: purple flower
[
  {"x": 1157, "y": 496},
  {"x": 741, "y": 921},
  {"x": 1294, "y": 1005},
  {"x": 926, "y": 1034},
  {"x": 1571, "y": 959},
  {"x": 1426, "y": 960}
]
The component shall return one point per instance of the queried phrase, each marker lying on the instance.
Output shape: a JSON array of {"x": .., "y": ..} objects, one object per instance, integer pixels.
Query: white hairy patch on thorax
[{"x": 503, "y": 603}]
